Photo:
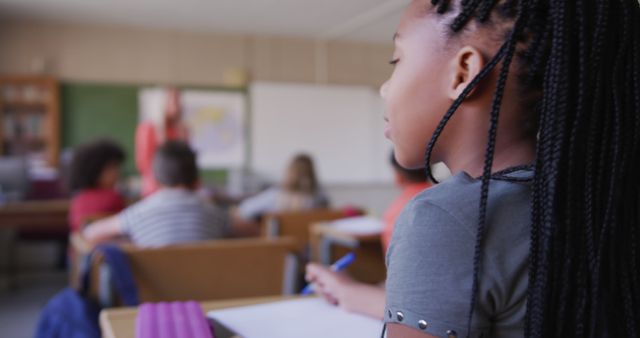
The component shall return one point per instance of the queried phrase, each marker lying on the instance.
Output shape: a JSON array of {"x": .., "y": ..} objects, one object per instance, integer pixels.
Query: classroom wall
[
  {"x": 99, "y": 62},
  {"x": 102, "y": 63},
  {"x": 92, "y": 53},
  {"x": 92, "y": 110}
]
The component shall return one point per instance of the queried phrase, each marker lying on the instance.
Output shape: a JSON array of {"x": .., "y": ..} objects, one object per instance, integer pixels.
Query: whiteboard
[{"x": 342, "y": 127}]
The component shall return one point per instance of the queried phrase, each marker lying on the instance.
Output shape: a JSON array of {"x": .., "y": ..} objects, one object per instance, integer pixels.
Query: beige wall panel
[
  {"x": 82, "y": 52},
  {"x": 203, "y": 59}
]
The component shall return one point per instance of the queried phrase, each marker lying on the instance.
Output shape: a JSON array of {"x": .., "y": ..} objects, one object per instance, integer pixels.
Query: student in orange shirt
[
  {"x": 338, "y": 288},
  {"x": 411, "y": 182}
]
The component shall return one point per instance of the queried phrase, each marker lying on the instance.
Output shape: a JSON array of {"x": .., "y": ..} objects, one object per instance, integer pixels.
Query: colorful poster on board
[{"x": 215, "y": 121}]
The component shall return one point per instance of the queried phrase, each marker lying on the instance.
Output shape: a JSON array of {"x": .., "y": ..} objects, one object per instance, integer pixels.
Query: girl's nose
[{"x": 384, "y": 89}]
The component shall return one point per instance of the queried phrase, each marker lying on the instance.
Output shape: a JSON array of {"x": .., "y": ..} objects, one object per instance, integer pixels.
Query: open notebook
[{"x": 305, "y": 317}]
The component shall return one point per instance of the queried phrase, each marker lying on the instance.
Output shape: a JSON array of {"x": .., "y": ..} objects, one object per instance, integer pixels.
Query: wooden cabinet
[{"x": 29, "y": 119}]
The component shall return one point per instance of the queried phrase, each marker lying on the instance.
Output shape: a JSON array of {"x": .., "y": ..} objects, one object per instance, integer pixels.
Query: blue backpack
[{"x": 71, "y": 314}]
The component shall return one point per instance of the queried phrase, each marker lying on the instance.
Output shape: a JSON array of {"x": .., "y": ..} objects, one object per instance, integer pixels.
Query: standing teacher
[{"x": 153, "y": 131}]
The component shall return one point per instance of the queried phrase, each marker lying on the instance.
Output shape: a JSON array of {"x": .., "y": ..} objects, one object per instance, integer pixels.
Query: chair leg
[
  {"x": 62, "y": 261},
  {"x": 12, "y": 259}
]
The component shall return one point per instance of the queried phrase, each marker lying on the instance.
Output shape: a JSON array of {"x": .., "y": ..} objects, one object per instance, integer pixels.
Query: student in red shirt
[{"x": 95, "y": 171}]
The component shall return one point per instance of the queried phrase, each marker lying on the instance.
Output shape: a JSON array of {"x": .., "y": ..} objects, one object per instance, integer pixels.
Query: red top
[
  {"x": 392, "y": 213},
  {"x": 91, "y": 203}
]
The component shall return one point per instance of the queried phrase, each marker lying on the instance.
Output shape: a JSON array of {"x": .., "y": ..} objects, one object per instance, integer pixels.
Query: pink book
[{"x": 172, "y": 320}]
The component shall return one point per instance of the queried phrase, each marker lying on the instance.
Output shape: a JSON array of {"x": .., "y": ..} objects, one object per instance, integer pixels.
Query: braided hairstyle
[{"x": 583, "y": 57}]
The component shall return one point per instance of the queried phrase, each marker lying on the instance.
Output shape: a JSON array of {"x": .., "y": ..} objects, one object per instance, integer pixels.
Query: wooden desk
[
  {"x": 33, "y": 220},
  {"x": 328, "y": 244},
  {"x": 50, "y": 215},
  {"x": 121, "y": 323},
  {"x": 297, "y": 224}
]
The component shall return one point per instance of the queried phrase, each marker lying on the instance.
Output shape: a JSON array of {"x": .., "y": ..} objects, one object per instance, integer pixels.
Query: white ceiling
[{"x": 362, "y": 20}]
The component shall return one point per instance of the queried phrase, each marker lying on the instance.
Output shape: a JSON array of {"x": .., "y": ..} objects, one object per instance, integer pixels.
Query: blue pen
[{"x": 339, "y": 265}]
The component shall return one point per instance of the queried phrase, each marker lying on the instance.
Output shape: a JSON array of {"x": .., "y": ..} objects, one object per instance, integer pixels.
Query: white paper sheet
[
  {"x": 358, "y": 225},
  {"x": 307, "y": 317}
]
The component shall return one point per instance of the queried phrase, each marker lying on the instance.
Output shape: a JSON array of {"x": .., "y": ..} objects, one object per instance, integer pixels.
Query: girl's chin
[{"x": 409, "y": 162}]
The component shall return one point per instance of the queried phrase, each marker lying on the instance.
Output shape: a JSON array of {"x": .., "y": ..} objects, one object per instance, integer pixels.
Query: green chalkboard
[{"x": 91, "y": 111}]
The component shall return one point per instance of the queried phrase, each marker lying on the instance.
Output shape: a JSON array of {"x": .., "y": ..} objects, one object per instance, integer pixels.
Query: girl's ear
[{"x": 467, "y": 63}]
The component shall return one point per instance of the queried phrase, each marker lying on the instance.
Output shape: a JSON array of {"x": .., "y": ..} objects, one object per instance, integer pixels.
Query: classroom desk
[
  {"x": 328, "y": 244},
  {"x": 46, "y": 219},
  {"x": 121, "y": 322},
  {"x": 48, "y": 214}
]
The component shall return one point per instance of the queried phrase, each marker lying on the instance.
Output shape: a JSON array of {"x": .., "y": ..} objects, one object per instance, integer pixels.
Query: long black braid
[{"x": 583, "y": 57}]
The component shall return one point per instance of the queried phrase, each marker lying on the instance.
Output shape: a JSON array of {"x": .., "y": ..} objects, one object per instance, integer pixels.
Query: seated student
[
  {"x": 174, "y": 214},
  {"x": 94, "y": 172},
  {"x": 299, "y": 191},
  {"x": 411, "y": 182},
  {"x": 338, "y": 288}
]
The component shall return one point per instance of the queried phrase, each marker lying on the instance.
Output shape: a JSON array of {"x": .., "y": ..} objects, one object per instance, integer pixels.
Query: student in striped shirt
[{"x": 174, "y": 214}]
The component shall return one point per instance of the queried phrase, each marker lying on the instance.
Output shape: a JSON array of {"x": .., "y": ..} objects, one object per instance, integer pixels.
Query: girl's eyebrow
[{"x": 395, "y": 36}]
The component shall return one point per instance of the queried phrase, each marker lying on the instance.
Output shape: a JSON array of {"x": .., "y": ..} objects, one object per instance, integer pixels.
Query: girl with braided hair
[{"x": 534, "y": 105}]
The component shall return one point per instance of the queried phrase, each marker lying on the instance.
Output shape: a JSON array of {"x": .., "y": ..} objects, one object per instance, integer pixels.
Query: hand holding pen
[{"x": 339, "y": 265}]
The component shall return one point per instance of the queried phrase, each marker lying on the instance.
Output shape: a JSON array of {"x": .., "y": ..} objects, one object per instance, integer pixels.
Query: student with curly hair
[{"x": 94, "y": 173}]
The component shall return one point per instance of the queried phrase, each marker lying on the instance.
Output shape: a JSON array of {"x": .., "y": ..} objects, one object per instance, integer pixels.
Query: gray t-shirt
[
  {"x": 173, "y": 216},
  {"x": 430, "y": 259}
]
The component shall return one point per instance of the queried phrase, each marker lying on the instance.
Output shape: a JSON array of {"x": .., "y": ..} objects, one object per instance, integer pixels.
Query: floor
[
  {"x": 34, "y": 285},
  {"x": 20, "y": 307}
]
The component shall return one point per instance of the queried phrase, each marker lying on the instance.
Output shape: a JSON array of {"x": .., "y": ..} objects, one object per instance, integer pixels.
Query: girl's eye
[{"x": 394, "y": 62}]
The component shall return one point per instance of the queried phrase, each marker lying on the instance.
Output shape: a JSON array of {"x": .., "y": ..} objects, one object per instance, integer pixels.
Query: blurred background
[{"x": 258, "y": 81}]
